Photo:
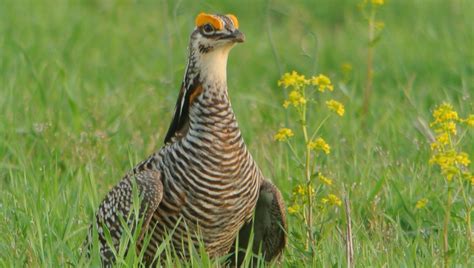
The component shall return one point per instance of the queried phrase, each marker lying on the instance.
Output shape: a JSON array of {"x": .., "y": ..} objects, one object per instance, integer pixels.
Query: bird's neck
[
  {"x": 213, "y": 67},
  {"x": 205, "y": 81},
  {"x": 207, "y": 68}
]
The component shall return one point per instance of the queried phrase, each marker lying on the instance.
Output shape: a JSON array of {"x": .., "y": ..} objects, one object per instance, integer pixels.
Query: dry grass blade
[{"x": 349, "y": 241}]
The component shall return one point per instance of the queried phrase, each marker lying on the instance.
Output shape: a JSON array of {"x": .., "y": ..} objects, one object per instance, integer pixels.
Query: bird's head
[
  {"x": 215, "y": 32},
  {"x": 210, "y": 43}
]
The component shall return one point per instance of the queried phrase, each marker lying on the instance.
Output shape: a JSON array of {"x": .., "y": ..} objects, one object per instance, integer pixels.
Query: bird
[{"x": 202, "y": 187}]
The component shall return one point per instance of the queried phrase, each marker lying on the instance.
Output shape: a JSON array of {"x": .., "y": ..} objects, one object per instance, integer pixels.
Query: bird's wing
[
  {"x": 269, "y": 226},
  {"x": 119, "y": 203}
]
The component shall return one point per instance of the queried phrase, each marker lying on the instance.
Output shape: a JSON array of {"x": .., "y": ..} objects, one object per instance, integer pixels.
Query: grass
[{"x": 87, "y": 89}]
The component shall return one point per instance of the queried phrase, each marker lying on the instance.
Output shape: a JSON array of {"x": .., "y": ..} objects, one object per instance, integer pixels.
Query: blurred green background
[{"x": 87, "y": 89}]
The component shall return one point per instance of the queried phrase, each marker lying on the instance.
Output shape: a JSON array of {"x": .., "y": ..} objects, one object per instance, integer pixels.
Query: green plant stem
[
  {"x": 308, "y": 187},
  {"x": 445, "y": 227},
  {"x": 319, "y": 127},
  {"x": 461, "y": 137},
  {"x": 468, "y": 212},
  {"x": 295, "y": 154},
  {"x": 309, "y": 220},
  {"x": 463, "y": 193},
  {"x": 469, "y": 227},
  {"x": 370, "y": 56}
]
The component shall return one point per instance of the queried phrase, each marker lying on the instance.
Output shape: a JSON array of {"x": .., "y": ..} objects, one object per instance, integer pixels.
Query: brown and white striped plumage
[{"x": 203, "y": 184}]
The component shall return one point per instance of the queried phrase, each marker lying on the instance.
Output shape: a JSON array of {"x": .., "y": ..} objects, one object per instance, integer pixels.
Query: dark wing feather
[
  {"x": 178, "y": 119},
  {"x": 119, "y": 203},
  {"x": 269, "y": 226},
  {"x": 181, "y": 110}
]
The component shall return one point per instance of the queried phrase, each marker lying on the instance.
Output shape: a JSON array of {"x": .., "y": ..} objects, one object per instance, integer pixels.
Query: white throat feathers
[{"x": 213, "y": 66}]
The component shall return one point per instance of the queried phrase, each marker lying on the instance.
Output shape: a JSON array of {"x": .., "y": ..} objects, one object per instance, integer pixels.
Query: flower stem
[
  {"x": 309, "y": 210},
  {"x": 445, "y": 227},
  {"x": 309, "y": 190},
  {"x": 319, "y": 127},
  {"x": 468, "y": 213},
  {"x": 295, "y": 155}
]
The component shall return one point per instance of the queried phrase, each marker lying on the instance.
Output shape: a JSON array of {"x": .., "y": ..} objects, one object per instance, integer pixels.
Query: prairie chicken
[{"x": 203, "y": 184}]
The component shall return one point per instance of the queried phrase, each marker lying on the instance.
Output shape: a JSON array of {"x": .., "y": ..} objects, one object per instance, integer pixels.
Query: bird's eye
[{"x": 208, "y": 29}]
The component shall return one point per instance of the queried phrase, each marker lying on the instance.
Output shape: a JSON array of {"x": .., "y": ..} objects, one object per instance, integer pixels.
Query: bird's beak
[{"x": 237, "y": 36}]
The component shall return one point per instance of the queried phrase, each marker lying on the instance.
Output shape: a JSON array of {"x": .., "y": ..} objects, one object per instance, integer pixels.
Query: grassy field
[{"x": 87, "y": 90}]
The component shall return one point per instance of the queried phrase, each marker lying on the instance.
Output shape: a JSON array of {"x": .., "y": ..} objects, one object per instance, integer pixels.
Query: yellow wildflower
[
  {"x": 292, "y": 79},
  {"x": 320, "y": 144},
  {"x": 378, "y": 2},
  {"x": 469, "y": 120},
  {"x": 323, "y": 82},
  {"x": 449, "y": 127},
  {"x": 463, "y": 159},
  {"x": 445, "y": 154},
  {"x": 336, "y": 106},
  {"x": 299, "y": 190},
  {"x": 421, "y": 203},
  {"x": 346, "y": 68},
  {"x": 325, "y": 179},
  {"x": 294, "y": 209},
  {"x": 332, "y": 200},
  {"x": 379, "y": 25},
  {"x": 434, "y": 146},
  {"x": 440, "y": 141},
  {"x": 443, "y": 138},
  {"x": 302, "y": 190},
  {"x": 283, "y": 134},
  {"x": 295, "y": 98},
  {"x": 450, "y": 162},
  {"x": 444, "y": 112},
  {"x": 444, "y": 119}
]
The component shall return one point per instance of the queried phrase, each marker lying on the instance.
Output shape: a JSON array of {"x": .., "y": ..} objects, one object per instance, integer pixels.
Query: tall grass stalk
[
  {"x": 370, "y": 58},
  {"x": 373, "y": 37}
]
